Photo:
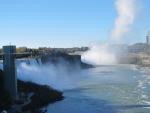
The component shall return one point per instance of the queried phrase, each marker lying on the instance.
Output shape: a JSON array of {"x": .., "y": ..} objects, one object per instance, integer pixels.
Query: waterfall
[{"x": 61, "y": 76}]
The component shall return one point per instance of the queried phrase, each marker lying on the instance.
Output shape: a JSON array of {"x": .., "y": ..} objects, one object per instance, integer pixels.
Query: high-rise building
[{"x": 148, "y": 38}]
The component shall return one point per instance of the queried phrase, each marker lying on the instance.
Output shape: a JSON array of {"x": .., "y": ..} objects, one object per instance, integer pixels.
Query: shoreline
[{"x": 32, "y": 97}]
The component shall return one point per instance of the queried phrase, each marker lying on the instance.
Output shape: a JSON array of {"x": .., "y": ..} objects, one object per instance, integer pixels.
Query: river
[
  {"x": 104, "y": 89},
  {"x": 108, "y": 89}
]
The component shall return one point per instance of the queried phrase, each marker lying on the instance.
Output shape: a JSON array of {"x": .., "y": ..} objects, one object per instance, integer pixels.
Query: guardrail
[{"x": 18, "y": 55}]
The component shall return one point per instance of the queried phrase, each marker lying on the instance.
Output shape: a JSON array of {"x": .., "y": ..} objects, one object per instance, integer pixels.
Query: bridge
[{"x": 18, "y": 55}]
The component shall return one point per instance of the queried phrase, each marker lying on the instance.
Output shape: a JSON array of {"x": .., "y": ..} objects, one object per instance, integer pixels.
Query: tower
[
  {"x": 10, "y": 79},
  {"x": 148, "y": 38}
]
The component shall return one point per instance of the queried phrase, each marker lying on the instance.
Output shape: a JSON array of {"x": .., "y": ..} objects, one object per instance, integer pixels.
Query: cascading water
[{"x": 57, "y": 76}]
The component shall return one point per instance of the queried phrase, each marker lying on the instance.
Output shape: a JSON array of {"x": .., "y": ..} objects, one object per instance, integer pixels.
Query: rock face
[
  {"x": 42, "y": 95},
  {"x": 63, "y": 58},
  {"x": 1, "y": 79},
  {"x": 5, "y": 100},
  {"x": 140, "y": 59}
]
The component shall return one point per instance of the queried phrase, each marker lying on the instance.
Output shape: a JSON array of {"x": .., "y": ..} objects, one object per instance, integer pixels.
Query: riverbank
[
  {"x": 31, "y": 97},
  {"x": 38, "y": 95}
]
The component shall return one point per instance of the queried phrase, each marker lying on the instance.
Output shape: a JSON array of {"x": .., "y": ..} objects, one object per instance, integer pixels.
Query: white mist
[
  {"x": 102, "y": 54},
  {"x": 99, "y": 54},
  {"x": 60, "y": 77}
]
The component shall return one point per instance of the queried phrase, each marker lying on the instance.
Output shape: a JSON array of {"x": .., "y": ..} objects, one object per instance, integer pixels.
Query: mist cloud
[
  {"x": 99, "y": 54},
  {"x": 102, "y": 53},
  {"x": 126, "y": 14}
]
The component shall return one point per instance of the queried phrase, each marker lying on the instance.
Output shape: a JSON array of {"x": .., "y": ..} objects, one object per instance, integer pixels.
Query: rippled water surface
[{"x": 108, "y": 89}]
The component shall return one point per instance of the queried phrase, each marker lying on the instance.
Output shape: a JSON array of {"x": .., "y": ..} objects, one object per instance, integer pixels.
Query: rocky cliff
[{"x": 63, "y": 58}]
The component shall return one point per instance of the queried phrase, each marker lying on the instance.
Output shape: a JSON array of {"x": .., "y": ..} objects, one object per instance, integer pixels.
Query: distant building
[
  {"x": 148, "y": 38},
  {"x": 137, "y": 48}
]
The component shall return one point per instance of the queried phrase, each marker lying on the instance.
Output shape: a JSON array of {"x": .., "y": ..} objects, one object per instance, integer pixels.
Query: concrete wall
[{"x": 10, "y": 79}]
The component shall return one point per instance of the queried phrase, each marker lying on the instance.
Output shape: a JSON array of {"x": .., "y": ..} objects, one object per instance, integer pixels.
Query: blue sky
[{"x": 64, "y": 23}]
